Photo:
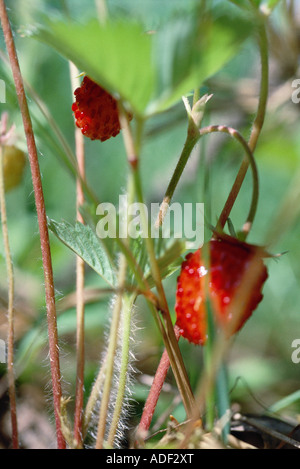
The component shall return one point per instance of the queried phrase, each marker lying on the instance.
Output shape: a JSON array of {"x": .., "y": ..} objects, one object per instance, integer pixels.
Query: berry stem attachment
[
  {"x": 42, "y": 221},
  {"x": 257, "y": 124},
  {"x": 10, "y": 315}
]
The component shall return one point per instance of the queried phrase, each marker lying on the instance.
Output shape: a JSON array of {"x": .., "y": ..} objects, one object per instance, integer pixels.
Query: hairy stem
[
  {"x": 126, "y": 332},
  {"x": 42, "y": 221},
  {"x": 10, "y": 315},
  {"x": 94, "y": 396},
  {"x": 112, "y": 346}
]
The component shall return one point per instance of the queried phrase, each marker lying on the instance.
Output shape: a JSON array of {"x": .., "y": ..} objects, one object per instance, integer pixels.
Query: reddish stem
[
  {"x": 153, "y": 396},
  {"x": 42, "y": 220},
  {"x": 256, "y": 128}
]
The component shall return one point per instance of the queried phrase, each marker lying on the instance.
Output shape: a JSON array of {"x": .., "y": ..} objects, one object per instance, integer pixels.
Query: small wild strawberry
[
  {"x": 96, "y": 111},
  {"x": 229, "y": 260},
  {"x": 14, "y": 161}
]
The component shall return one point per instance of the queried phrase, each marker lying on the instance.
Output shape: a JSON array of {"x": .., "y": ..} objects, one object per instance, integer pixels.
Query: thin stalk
[
  {"x": 94, "y": 396},
  {"x": 42, "y": 221},
  {"x": 10, "y": 314},
  {"x": 102, "y": 11},
  {"x": 112, "y": 347},
  {"x": 133, "y": 146},
  {"x": 153, "y": 396},
  {"x": 126, "y": 332},
  {"x": 210, "y": 398},
  {"x": 80, "y": 278},
  {"x": 257, "y": 124},
  {"x": 125, "y": 319},
  {"x": 188, "y": 147},
  {"x": 250, "y": 161},
  {"x": 113, "y": 340}
]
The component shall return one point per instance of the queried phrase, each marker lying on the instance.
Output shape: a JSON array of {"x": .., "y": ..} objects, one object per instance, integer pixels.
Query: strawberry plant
[{"x": 131, "y": 265}]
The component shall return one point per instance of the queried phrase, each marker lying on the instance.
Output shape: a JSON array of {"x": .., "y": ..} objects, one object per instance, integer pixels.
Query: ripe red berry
[
  {"x": 229, "y": 260},
  {"x": 96, "y": 111}
]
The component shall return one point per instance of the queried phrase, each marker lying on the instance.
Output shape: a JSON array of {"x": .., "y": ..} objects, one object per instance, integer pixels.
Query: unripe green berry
[{"x": 14, "y": 161}]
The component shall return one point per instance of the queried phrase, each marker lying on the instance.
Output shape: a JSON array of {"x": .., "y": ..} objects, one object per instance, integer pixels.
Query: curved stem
[
  {"x": 42, "y": 221},
  {"x": 251, "y": 161},
  {"x": 257, "y": 125},
  {"x": 10, "y": 315}
]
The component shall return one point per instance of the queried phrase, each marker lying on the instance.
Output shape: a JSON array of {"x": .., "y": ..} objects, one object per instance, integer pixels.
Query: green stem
[
  {"x": 126, "y": 332},
  {"x": 111, "y": 352},
  {"x": 210, "y": 398},
  {"x": 93, "y": 398},
  {"x": 133, "y": 147},
  {"x": 119, "y": 310},
  {"x": 10, "y": 316},
  {"x": 80, "y": 279},
  {"x": 251, "y": 161},
  {"x": 257, "y": 125},
  {"x": 189, "y": 145}
]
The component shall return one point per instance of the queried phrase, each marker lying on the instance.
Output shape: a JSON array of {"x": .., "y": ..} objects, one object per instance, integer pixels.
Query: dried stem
[{"x": 42, "y": 220}]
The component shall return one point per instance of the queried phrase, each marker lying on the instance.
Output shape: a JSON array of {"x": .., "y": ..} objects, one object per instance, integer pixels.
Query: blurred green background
[{"x": 261, "y": 371}]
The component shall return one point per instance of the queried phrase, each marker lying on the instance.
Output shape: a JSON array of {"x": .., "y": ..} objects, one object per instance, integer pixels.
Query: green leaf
[
  {"x": 189, "y": 50},
  {"x": 150, "y": 71},
  {"x": 117, "y": 55},
  {"x": 82, "y": 240}
]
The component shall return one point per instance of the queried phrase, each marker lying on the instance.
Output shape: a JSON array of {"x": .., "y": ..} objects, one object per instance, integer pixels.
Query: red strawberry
[
  {"x": 96, "y": 111},
  {"x": 229, "y": 260}
]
